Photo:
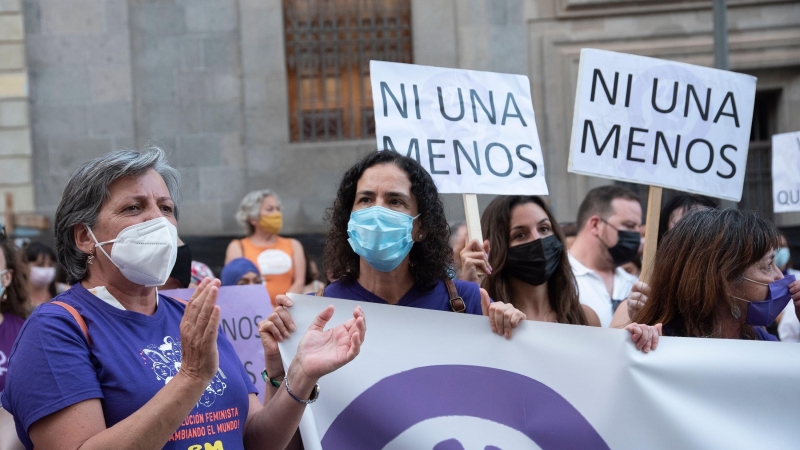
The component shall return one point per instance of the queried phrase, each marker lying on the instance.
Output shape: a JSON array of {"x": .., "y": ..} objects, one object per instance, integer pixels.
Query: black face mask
[
  {"x": 627, "y": 247},
  {"x": 182, "y": 270},
  {"x": 534, "y": 262}
]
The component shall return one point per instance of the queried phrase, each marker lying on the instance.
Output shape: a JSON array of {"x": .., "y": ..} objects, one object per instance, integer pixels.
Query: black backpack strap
[{"x": 456, "y": 302}]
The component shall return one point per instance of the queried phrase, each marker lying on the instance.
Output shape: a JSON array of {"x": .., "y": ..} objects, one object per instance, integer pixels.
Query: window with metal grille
[
  {"x": 757, "y": 192},
  {"x": 329, "y": 44}
]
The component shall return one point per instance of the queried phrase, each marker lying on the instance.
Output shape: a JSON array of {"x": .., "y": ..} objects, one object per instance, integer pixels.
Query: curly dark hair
[{"x": 430, "y": 259}]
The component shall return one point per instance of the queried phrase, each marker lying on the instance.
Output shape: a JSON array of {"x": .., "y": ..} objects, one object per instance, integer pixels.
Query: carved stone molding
[{"x": 570, "y": 9}]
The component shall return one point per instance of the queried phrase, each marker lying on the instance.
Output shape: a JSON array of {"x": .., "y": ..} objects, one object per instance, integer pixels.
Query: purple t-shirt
[
  {"x": 436, "y": 298},
  {"x": 9, "y": 330},
  {"x": 132, "y": 357}
]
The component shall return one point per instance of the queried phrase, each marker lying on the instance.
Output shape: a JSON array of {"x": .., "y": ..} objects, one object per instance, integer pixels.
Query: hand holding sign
[{"x": 661, "y": 123}]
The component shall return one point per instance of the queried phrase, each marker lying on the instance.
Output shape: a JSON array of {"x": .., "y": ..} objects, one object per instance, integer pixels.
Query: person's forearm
[
  {"x": 274, "y": 426},
  {"x": 297, "y": 288},
  {"x": 152, "y": 425}
]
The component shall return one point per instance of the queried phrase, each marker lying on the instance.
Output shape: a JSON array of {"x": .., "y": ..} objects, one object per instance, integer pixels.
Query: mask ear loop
[
  {"x": 756, "y": 282},
  {"x": 100, "y": 245}
]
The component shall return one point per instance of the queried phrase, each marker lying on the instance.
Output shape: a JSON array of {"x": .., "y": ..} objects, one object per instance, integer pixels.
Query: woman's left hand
[
  {"x": 503, "y": 317},
  {"x": 794, "y": 289},
  {"x": 644, "y": 336},
  {"x": 321, "y": 352}
]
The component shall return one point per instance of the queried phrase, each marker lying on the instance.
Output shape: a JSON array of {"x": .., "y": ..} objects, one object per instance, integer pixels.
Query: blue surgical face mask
[
  {"x": 782, "y": 257},
  {"x": 763, "y": 313},
  {"x": 381, "y": 236}
]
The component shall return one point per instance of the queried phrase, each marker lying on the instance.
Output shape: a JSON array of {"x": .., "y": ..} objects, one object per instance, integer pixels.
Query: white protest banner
[
  {"x": 475, "y": 132},
  {"x": 662, "y": 123},
  {"x": 242, "y": 307},
  {"x": 439, "y": 380},
  {"x": 786, "y": 172}
]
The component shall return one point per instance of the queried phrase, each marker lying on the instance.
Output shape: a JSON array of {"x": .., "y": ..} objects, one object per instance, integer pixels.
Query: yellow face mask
[{"x": 272, "y": 223}]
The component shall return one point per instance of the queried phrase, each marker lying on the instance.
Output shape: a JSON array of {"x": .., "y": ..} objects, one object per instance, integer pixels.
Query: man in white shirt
[{"x": 608, "y": 237}]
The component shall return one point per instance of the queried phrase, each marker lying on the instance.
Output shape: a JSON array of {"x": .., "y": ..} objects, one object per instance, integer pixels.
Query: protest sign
[
  {"x": 475, "y": 132},
  {"x": 241, "y": 307},
  {"x": 786, "y": 172},
  {"x": 452, "y": 384},
  {"x": 662, "y": 123}
]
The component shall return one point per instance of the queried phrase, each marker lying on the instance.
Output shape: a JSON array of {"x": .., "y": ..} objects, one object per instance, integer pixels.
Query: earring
[
  {"x": 736, "y": 312},
  {"x": 90, "y": 259},
  {"x": 420, "y": 236}
]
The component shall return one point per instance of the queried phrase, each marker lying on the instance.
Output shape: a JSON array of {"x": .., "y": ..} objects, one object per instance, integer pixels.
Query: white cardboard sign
[
  {"x": 475, "y": 132},
  {"x": 662, "y": 123},
  {"x": 453, "y": 384},
  {"x": 786, "y": 172}
]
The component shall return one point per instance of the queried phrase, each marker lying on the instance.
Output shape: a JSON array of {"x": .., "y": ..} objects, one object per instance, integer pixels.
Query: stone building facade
[{"x": 208, "y": 81}]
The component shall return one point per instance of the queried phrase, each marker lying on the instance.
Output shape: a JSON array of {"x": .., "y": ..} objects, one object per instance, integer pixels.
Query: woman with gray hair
[
  {"x": 280, "y": 260},
  {"x": 113, "y": 364}
]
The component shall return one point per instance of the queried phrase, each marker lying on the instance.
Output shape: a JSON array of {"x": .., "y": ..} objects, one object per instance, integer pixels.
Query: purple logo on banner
[{"x": 509, "y": 401}]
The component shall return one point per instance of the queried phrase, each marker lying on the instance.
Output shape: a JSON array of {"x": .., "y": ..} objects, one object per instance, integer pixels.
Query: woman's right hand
[
  {"x": 637, "y": 298},
  {"x": 474, "y": 257},
  {"x": 275, "y": 328},
  {"x": 199, "y": 329}
]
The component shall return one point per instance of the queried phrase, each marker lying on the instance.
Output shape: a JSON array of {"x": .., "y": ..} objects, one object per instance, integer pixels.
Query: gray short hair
[
  {"x": 250, "y": 206},
  {"x": 86, "y": 191}
]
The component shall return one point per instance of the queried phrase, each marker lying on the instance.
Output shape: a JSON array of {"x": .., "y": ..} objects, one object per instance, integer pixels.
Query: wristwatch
[{"x": 272, "y": 380}]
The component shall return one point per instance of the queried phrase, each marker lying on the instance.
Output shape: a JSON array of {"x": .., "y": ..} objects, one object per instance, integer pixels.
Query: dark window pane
[{"x": 329, "y": 44}]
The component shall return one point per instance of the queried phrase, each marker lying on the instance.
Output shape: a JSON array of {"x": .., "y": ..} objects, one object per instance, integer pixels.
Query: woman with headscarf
[
  {"x": 116, "y": 364},
  {"x": 240, "y": 271}
]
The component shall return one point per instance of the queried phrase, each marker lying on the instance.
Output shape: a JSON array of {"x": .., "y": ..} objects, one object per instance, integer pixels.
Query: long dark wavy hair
[
  {"x": 15, "y": 295},
  {"x": 696, "y": 263},
  {"x": 429, "y": 258},
  {"x": 562, "y": 289}
]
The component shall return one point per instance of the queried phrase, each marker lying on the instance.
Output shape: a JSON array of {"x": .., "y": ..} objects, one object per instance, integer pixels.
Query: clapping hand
[{"x": 321, "y": 351}]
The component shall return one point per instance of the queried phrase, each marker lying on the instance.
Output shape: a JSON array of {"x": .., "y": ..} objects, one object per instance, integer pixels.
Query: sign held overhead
[
  {"x": 475, "y": 132},
  {"x": 662, "y": 123}
]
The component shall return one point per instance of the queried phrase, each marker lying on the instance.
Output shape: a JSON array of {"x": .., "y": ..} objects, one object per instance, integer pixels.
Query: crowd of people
[{"x": 127, "y": 366}]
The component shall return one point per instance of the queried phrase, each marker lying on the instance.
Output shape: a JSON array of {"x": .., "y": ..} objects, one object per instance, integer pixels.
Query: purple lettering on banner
[
  {"x": 396, "y": 403},
  {"x": 241, "y": 307}
]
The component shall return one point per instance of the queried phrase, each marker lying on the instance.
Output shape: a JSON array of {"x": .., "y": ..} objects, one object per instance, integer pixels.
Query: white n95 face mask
[{"x": 145, "y": 252}]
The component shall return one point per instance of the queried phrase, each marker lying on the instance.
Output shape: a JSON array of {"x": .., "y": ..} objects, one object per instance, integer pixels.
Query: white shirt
[
  {"x": 592, "y": 290},
  {"x": 102, "y": 293}
]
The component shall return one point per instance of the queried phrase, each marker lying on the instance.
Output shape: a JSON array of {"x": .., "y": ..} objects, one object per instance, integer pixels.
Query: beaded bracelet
[{"x": 312, "y": 399}]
